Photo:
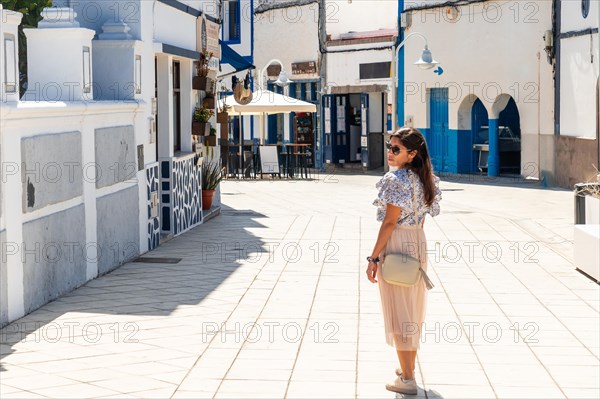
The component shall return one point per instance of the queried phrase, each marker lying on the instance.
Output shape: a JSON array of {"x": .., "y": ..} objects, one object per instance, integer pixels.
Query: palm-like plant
[{"x": 211, "y": 175}]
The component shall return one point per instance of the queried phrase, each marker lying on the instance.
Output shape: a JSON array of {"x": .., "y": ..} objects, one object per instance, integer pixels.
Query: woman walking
[{"x": 412, "y": 190}]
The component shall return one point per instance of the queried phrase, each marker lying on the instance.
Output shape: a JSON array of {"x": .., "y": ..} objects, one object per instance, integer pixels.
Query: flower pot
[
  {"x": 210, "y": 140},
  {"x": 222, "y": 117},
  {"x": 201, "y": 82},
  {"x": 224, "y": 131},
  {"x": 200, "y": 128},
  {"x": 207, "y": 199},
  {"x": 208, "y": 102}
]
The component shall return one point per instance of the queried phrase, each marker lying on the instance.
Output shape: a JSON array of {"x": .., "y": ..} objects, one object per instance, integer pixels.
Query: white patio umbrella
[{"x": 265, "y": 102}]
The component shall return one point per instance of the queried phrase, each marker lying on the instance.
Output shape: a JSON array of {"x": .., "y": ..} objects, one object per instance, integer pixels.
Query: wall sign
[
  {"x": 300, "y": 68},
  {"x": 207, "y": 37},
  {"x": 212, "y": 39}
]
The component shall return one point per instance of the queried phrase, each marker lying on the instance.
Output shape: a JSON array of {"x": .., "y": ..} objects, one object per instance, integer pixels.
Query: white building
[
  {"x": 523, "y": 109},
  {"x": 287, "y": 39},
  {"x": 358, "y": 61},
  {"x": 577, "y": 59},
  {"x": 98, "y": 157}
]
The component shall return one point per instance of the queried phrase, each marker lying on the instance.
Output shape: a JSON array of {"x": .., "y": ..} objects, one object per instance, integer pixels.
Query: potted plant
[
  {"x": 223, "y": 113},
  {"x": 208, "y": 101},
  {"x": 211, "y": 139},
  {"x": 200, "y": 125},
  {"x": 202, "y": 81},
  {"x": 211, "y": 177}
]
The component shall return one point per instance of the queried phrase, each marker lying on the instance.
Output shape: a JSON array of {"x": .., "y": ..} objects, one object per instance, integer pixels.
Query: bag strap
[{"x": 428, "y": 282}]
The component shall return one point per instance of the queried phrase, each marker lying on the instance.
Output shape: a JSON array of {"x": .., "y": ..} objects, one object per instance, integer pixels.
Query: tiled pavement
[{"x": 270, "y": 301}]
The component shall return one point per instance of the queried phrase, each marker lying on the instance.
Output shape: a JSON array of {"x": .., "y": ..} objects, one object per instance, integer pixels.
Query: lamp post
[
  {"x": 282, "y": 80},
  {"x": 425, "y": 62}
]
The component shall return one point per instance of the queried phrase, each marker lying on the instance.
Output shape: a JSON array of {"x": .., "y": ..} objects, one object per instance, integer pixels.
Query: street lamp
[
  {"x": 282, "y": 80},
  {"x": 425, "y": 62}
]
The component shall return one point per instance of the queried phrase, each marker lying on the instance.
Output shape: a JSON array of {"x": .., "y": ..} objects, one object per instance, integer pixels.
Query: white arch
[
  {"x": 499, "y": 104},
  {"x": 464, "y": 112}
]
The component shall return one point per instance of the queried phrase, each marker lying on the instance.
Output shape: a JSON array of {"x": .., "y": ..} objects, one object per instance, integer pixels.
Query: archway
[
  {"x": 508, "y": 124},
  {"x": 509, "y": 137},
  {"x": 479, "y": 128},
  {"x": 473, "y": 124}
]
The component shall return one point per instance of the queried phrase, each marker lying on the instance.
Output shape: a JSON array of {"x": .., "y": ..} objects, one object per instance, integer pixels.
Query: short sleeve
[
  {"x": 393, "y": 190},
  {"x": 434, "y": 209}
]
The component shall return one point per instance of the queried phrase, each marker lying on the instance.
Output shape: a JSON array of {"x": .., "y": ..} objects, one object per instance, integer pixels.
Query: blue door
[
  {"x": 328, "y": 117},
  {"x": 341, "y": 133},
  {"x": 438, "y": 145}
]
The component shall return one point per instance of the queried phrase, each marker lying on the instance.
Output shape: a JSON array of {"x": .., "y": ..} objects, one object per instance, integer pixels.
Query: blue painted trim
[
  {"x": 180, "y": 52},
  {"x": 584, "y": 32},
  {"x": 181, "y": 7},
  {"x": 400, "y": 70},
  {"x": 460, "y": 152},
  {"x": 494, "y": 154},
  {"x": 251, "y": 127},
  {"x": 237, "y": 40}
]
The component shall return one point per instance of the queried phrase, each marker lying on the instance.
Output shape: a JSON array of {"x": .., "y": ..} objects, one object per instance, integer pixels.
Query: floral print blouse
[{"x": 396, "y": 188}]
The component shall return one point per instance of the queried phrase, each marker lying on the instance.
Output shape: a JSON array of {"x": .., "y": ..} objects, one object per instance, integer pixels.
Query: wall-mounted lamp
[{"x": 282, "y": 80}]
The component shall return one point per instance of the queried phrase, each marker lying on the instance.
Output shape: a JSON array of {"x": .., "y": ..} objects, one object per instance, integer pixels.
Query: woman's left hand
[{"x": 372, "y": 272}]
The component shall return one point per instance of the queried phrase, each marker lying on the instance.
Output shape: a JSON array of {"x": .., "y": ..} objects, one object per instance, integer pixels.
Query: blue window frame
[{"x": 231, "y": 21}]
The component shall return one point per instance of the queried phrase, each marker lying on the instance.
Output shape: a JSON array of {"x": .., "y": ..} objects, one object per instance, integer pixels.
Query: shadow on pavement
[{"x": 208, "y": 255}]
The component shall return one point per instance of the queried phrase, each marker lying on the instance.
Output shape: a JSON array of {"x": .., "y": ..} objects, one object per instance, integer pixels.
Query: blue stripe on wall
[{"x": 459, "y": 155}]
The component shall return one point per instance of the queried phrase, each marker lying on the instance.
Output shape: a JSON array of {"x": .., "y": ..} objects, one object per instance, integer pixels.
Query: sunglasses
[{"x": 395, "y": 149}]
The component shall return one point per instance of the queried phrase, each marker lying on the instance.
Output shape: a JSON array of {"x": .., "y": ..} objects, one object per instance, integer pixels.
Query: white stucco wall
[
  {"x": 572, "y": 18},
  {"x": 479, "y": 57},
  {"x": 32, "y": 120},
  {"x": 359, "y": 15},
  {"x": 289, "y": 35},
  {"x": 578, "y": 74},
  {"x": 343, "y": 69},
  {"x": 166, "y": 18}
]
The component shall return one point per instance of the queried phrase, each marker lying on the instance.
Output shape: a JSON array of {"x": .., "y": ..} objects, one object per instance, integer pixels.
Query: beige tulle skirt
[{"x": 404, "y": 307}]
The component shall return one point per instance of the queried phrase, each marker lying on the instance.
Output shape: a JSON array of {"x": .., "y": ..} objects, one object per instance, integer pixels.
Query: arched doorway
[
  {"x": 473, "y": 132},
  {"x": 509, "y": 138},
  {"x": 479, "y": 131}
]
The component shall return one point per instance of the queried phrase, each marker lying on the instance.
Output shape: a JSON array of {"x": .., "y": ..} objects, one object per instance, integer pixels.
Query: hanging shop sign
[
  {"x": 207, "y": 37},
  {"x": 302, "y": 68}
]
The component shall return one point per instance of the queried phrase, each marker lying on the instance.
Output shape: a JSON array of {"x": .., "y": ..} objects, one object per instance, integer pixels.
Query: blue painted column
[{"x": 494, "y": 154}]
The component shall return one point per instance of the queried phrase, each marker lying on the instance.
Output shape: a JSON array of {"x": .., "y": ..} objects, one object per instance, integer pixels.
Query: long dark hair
[{"x": 413, "y": 140}]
